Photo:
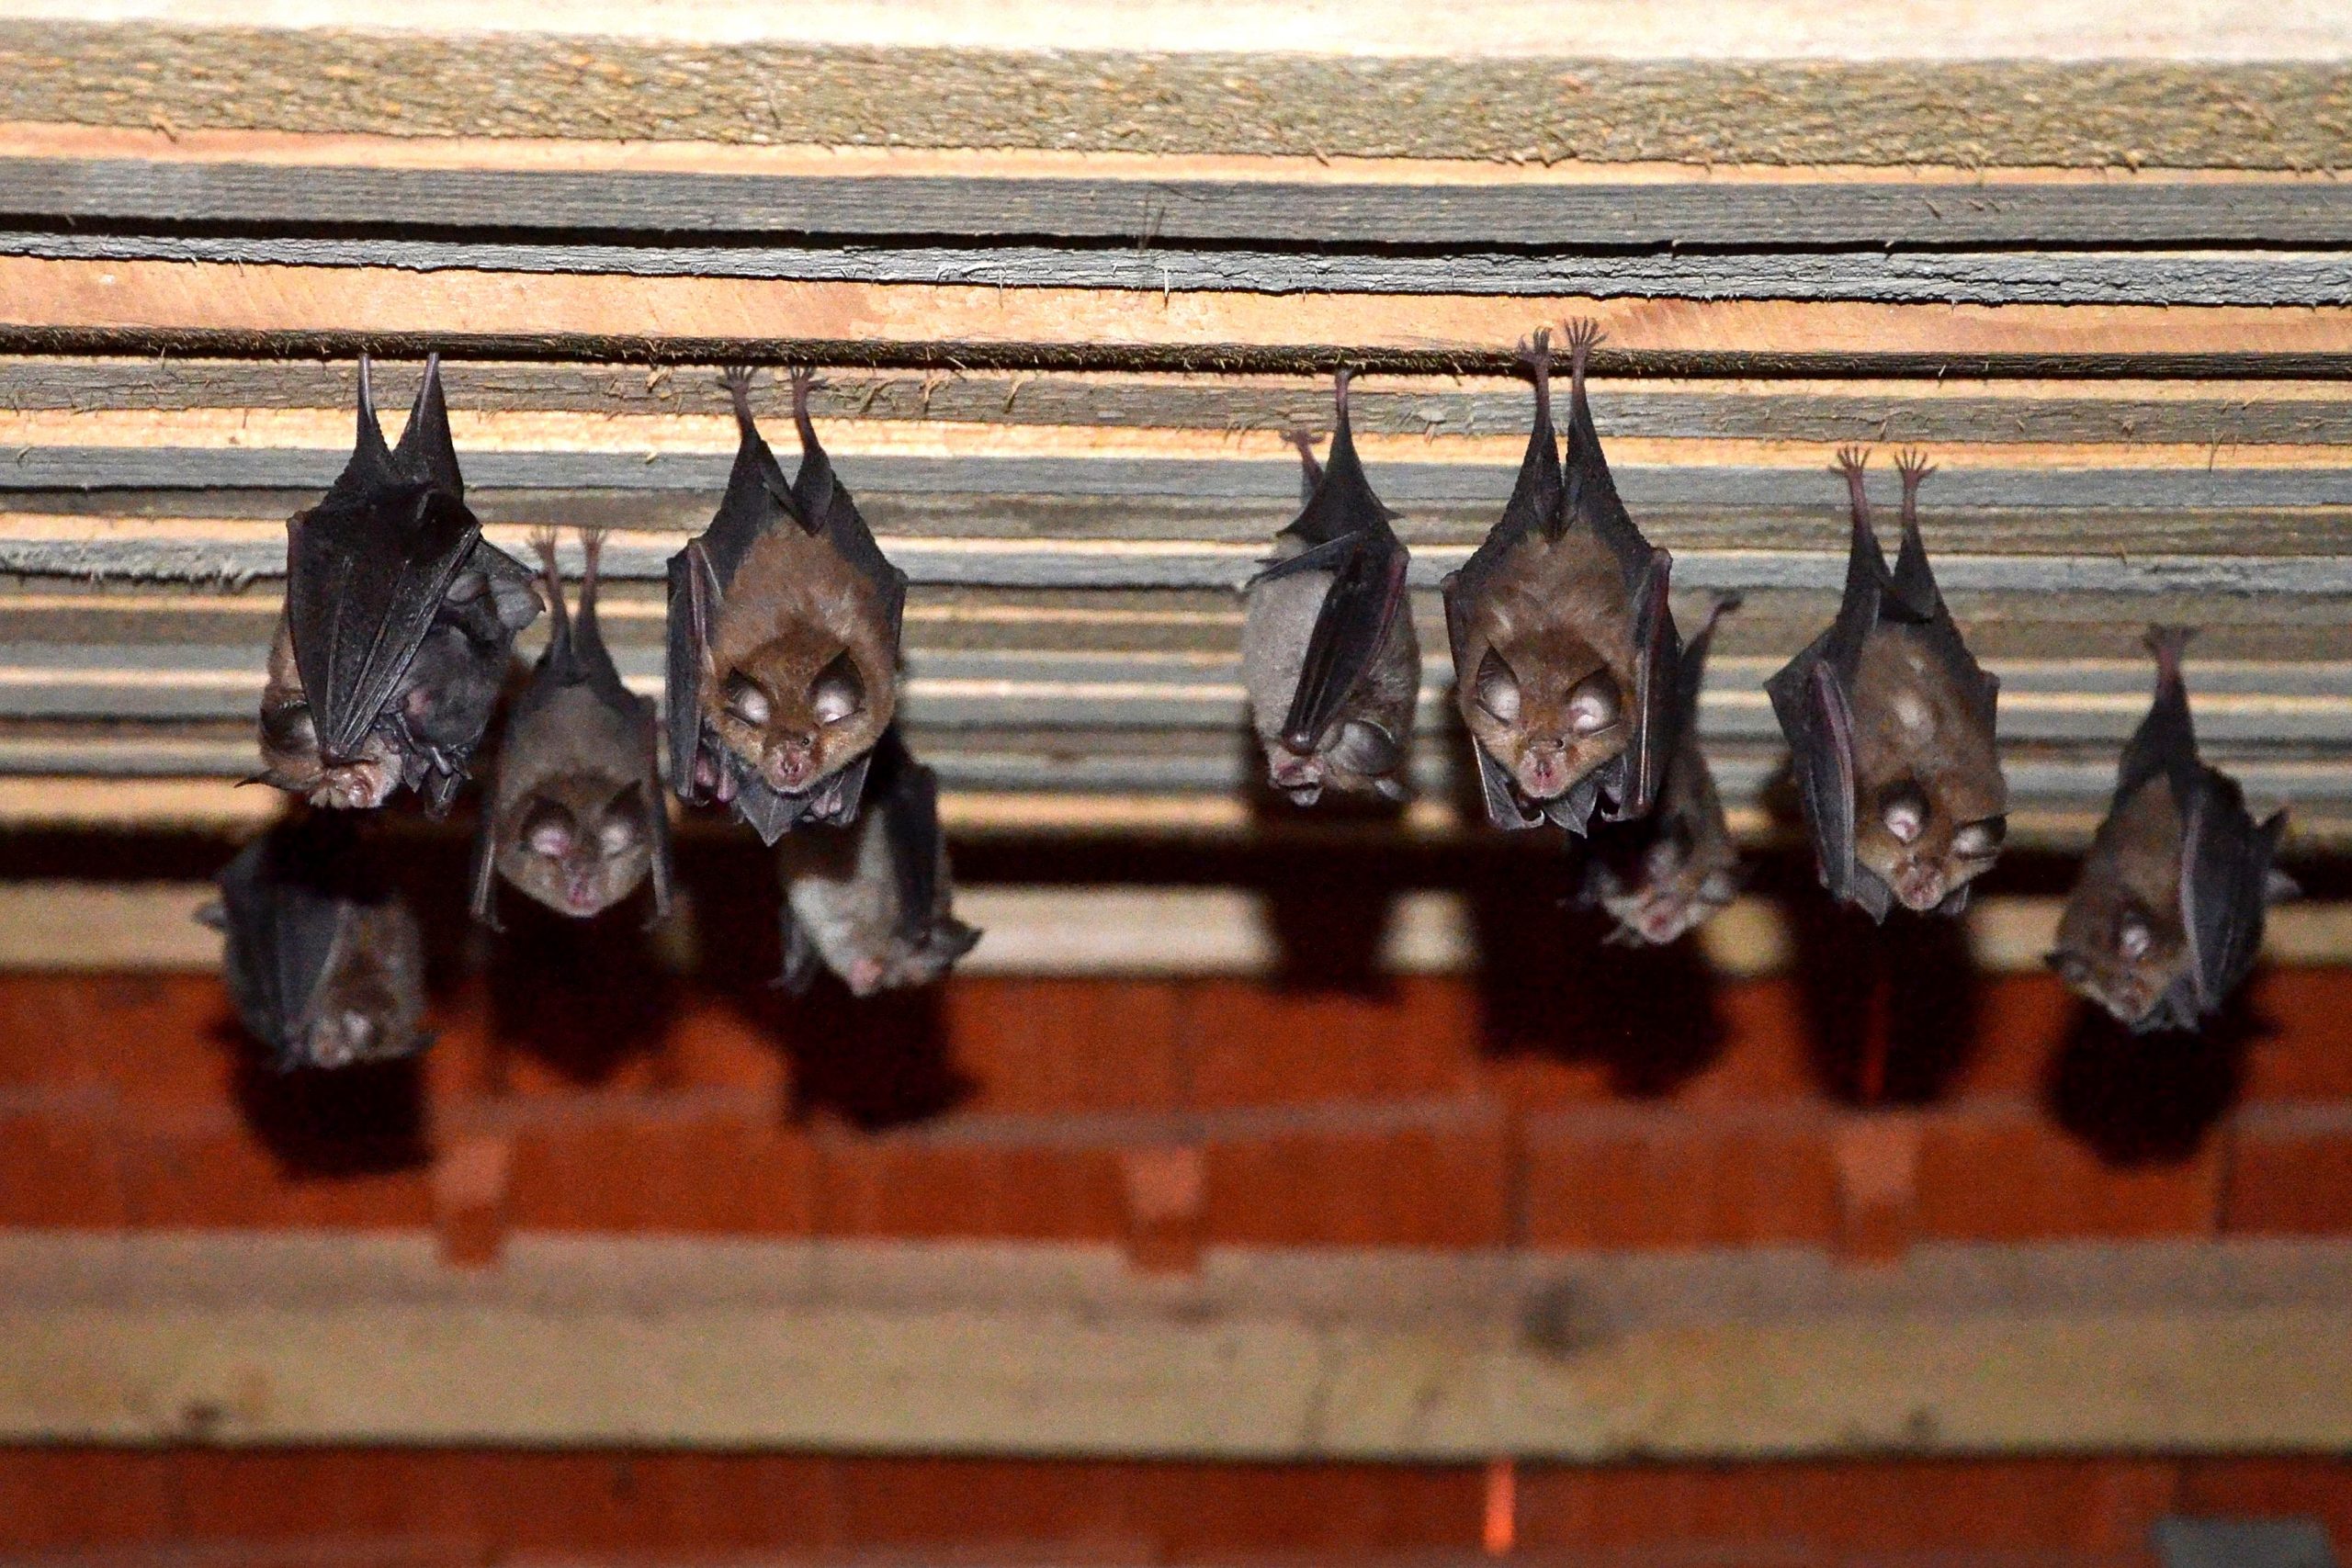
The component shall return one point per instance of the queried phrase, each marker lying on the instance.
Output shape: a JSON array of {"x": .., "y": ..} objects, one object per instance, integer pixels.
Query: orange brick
[
  {"x": 1990, "y": 1172},
  {"x": 1789, "y": 1512},
  {"x": 57, "y": 1500},
  {"x": 637, "y": 1167},
  {"x": 1024, "y": 1509},
  {"x": 61, "y": 1170},
  {"x": 2320, "y": 1487},
  {"x": 2291, "y": 1171},
  {"x": 943, "y": 1186},
  {"x": 1657, "y": 1176},
  {"x": 1385, "y": 1177},
  {"x": 2022, "y": 1024},
  {"x": 229, "y": 1180},
  {"x": 160, "y": 1042},
  {"x": 1046, "y": 1047},
  {"x": 1250, "y": 1045},
  {"x": 2305, "y": 1052},
  {"x": 1224, "y": 1512}
]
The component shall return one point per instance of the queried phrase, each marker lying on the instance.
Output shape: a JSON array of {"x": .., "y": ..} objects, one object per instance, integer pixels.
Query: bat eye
[
  {"x": 1979, "y": 840},
  {"x": 1365, "y": 747},
  {"x": 1719, "y": 887},
  {"x": 616, "y": 833},
  {"x": 357, "y": 1028},
  {"x": 2133, "y": 938},
  {"x": 549, "y": 831},
  {"x": 1904, "y": 811},
  {"x": 746, "y": 702},
  {"x": 1497, "y": 689},
  {"x": 839, "y": 692},
  {"x": 1592, "y": 705}
]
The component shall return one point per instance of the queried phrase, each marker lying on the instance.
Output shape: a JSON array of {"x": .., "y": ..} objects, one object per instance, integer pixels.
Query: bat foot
[
  {"x": 1535, "y": 351},
  {"x": 1913, "y": 465},
  {"x": 1851, "y": 461}
]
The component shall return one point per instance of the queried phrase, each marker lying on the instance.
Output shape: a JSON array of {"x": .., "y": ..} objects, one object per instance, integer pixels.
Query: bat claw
[
  {"x": 1535, "y": 351},
  {"x": 1852, "y": 460},
  {"x": 1913, "y": 465}
]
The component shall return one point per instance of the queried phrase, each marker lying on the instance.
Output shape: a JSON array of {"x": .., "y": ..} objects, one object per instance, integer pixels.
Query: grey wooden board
[
  {"x": 300, "y": 471},
  {"x": 2057, "y": 277},
  {"x": 2211, "y": 1346},
  {"x": 1156, "y": 211},
  {"x": 1926, "y": 412},
  {"x": 976, "y": 564}
]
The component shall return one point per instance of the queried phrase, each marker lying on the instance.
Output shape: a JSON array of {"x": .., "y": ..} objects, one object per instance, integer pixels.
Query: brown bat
[
  {"x": 783, "y": 639},
  {"x": 576, "y": 817},
  {"x": 1565, "y": 649},
  {"x": 323, "y": 960},
  {"x": 2166, "y": 915},
  {"x": 873, "y": 901},
  {"x": 1667, "y": 873},
  {"x": 399, "y": 621},
  {"x": 1890, "y": 722},
  {"x": 1329, "y": 654}
]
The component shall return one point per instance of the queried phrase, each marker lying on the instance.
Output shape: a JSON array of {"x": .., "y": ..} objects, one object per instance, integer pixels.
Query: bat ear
[
  {"x": 426, "y": 452},
  {"x": 371, "y": 460}
]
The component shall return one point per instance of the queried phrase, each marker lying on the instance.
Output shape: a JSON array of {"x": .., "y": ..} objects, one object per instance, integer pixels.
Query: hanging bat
[
  {"x": 783, "y": 639},
  {"x": 2165, "y": 917},
  {"x": 1891, "y": 726},
  {"x": 1327, "y": 650},
  {"x": 1565, "y": 648},
  {"x": 872, "y": 900},
  {"x": 324, "y": 961},
  {"x": 399, "y": 621},
  {"x": 1668, "y": 873},
  {"x": 576, "y": 816}
]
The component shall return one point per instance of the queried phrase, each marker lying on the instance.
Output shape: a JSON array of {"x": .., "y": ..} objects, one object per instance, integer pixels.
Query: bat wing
[
  {"x": 1367, "y": 594},
  {"x": 801, "y": 959},
  {"x": 833, "y": 802},
  {"x": 1809, "y": 698},
  {"x": 910, "y": 806},
  {"x": 283, "y": 931},
  {"x": 1590, "y": 497},
  {"x": 2224, "y": 882},
  {"x": 482, "y": 876},
  {"x": 1658, "y": 689},
  {"x": 363, "y": 586},
  {"x": 694, "y": 606},
  {"x": 2164, "y": 744},
  {"x": 821, "y": 497}
]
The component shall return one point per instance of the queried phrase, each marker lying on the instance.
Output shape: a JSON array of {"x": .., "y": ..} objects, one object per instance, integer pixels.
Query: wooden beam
[{"x": 250, "y": 1340}]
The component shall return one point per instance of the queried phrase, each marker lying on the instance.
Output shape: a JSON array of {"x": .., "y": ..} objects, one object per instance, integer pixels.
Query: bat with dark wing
[
  {"x": 1890, "y": 723},
  {"x": 399, "y": 623},
  {"x": 576, "y": 817},
  {"x": 2165, "y": 917},
  {"x": 1329, "y": 654},
  {"x": 1667, "y": 873},
  {"x": 873, "y": 901},
  {"x": 783, "y": 639},
  {"x": 1565, "y": 648},
  {"x": 323, "y": 960}
]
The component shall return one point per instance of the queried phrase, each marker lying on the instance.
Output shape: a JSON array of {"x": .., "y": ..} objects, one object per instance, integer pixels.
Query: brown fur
[
  {"x": 370, "y": 1005},
  {"x": 1686, "y": 866},
  {"x": 2132, "y": 872},
  {"x": 794, "y": 607},
  {"x": 1915, "y": 730},
  {"x": 290, "y": 743},
  {"x": 1557, "y": 617},
  {"x": 566, "y": 762}
]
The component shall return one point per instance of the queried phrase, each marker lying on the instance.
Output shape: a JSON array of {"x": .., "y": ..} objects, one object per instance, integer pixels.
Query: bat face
[
  {"x": 579, "y": 843},
  {"x": 2121, "y": 942},
  {"x": 325, "y": 963},
  {"x": 1929, "y": 796},
  {"x": 873, "y": 900},
  {"x": 289, "y": 745},
  {"x": 799, "y": 706},
  {"x": 1541, "y": 699},
  {"x": 370, "y": 1005}
]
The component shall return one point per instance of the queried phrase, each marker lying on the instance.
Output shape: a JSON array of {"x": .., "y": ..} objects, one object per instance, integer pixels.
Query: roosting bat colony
[{"x": 1577, "y": 689}]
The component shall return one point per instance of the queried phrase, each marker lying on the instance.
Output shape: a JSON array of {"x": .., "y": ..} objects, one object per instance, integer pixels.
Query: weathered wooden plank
[
  {"x": 1797, "y": 83},
  {"x": 2259, "y": 279},
  {"x": 1936, "y": 410},
  {"x": 2181, "y": 1348},
  {"x": 1575, "y": 214},
  {"x": 209, "y": 308}
]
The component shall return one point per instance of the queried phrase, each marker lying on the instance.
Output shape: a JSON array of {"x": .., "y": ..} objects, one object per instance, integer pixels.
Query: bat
[
  {"x": 1890, "y": 723},
  {"x": 1565, "y": 648},
  {"x": 1667, "y": 873},
  {"x": 2165, "y": 917},
  {"x": 324, "y": 961},
  {"x": 1329, "y": 655},
  {"x": 399, "y": 625},
  {"x": 872, "y": 900},
  {"x": 783, "y": 639},
  {"x": 576, "y": 817}
]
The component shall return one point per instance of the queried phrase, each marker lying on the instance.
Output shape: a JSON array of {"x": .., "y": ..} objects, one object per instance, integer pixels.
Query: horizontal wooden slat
[{"x": 244, "y": 1340}]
